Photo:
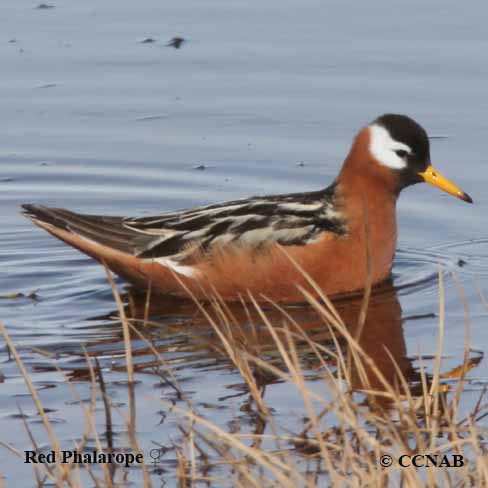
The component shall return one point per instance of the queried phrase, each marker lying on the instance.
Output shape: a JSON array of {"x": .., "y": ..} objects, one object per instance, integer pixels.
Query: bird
[{"x": 333, "y": 241}]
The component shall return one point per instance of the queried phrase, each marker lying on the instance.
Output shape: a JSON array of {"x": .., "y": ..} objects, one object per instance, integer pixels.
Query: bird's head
[{"x": 400, "y": 145}]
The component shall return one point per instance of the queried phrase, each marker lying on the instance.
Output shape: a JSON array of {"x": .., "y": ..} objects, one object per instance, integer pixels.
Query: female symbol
[{"x": 155, "y": 455}]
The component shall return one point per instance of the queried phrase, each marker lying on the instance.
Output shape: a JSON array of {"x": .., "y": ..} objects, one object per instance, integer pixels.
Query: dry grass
[{"x": 366, "y": 414}]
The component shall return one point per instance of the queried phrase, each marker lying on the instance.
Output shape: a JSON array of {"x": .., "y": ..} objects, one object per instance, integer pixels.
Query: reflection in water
[
  {"x": 171, "y": 337},
  {"x": 180, "y": 342},
  {"x": 181, "y": 333}
]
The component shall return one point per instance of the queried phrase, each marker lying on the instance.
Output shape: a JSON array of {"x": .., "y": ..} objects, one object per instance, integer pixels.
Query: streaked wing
[{"x": 291, "y": 219}]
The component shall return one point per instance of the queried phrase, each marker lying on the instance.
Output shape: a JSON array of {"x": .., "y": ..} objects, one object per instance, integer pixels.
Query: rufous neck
[{"x": 361, "y": 174}]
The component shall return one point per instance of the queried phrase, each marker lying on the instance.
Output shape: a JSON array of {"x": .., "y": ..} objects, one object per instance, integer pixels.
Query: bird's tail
[
  {"x": 106, "y": 231},
  {"x": 105, "y": 239}
]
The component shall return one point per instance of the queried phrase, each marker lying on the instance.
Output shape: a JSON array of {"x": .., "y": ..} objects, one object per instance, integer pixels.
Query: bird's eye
[{"x": 401, "y": 153}]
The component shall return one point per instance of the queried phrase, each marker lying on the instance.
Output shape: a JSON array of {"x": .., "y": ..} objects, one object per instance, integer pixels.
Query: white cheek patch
[{"x": 382, "y": 147}]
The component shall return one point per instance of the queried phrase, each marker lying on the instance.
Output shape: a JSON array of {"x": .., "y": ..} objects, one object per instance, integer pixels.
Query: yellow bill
[{"x": 433, "y": 177}]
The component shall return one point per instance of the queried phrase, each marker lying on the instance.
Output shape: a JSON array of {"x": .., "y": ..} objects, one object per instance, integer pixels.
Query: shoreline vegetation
[{"x": 383, "y": 422}]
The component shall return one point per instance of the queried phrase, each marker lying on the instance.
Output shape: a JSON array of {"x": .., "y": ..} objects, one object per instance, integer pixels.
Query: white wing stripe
[{"x": 188, "y": 271}]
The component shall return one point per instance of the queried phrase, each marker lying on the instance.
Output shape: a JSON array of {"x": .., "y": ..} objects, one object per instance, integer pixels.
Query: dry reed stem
[
  {"x": 37, "y": 469},
  {"x": 108, "y": 471},
  {"x": 64, "y": 473},
  {"x": 369, "y": 273},
  {"x": 131, "y": 427},
  {"x": 231, "y": 351},
  {"x": 263, "y": 458},
  {"x": 467, "y": 321},
  {"x": 108, "y": 416}
]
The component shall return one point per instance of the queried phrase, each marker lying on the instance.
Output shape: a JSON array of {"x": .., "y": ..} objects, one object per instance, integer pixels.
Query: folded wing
[{"x": 292, "y": 219}]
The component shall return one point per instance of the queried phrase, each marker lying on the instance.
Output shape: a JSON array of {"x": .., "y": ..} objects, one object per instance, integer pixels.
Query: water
[{"x": 96, "y": 121}]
